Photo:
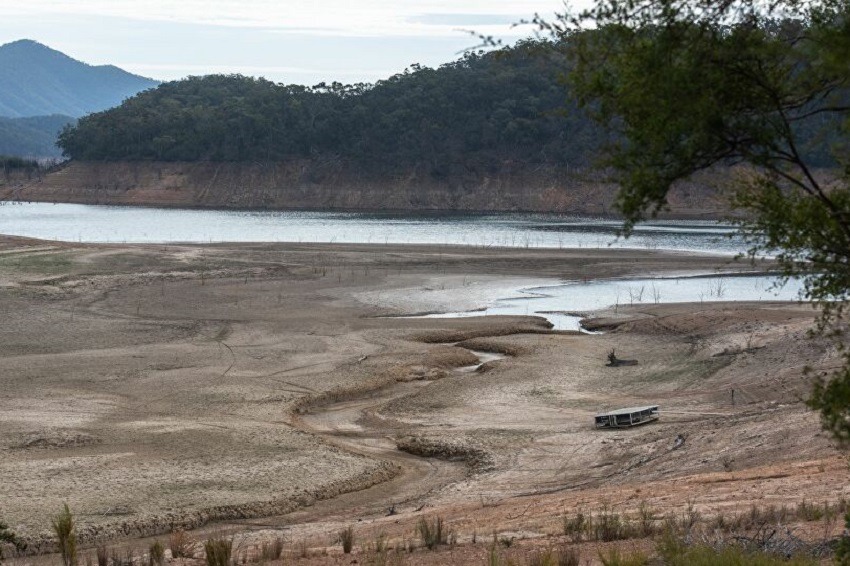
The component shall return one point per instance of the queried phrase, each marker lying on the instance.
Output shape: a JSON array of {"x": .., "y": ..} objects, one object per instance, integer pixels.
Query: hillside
[
  {"x": 33, "y": 136},
  {"x": 489, "y": 132},
  {"x": 36, "y": 81},
  {"x": 476, "y": 115}
]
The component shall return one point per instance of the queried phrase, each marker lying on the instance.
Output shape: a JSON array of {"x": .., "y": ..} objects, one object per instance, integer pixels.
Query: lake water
[
  {"x": 564, "y": 305},
  {"x": 89, "y": 223}
]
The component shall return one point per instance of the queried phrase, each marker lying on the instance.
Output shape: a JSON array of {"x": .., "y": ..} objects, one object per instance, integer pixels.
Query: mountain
[
  {"x": 33, "y": 136},
  {"x": 38, "y": 81}
]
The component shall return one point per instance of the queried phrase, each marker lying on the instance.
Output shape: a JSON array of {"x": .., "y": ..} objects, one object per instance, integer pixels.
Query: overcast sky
[{"x": 290, "y": 41}]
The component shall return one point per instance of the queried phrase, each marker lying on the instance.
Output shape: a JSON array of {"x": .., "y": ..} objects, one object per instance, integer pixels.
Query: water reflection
[{"x": 566, "y": 304}]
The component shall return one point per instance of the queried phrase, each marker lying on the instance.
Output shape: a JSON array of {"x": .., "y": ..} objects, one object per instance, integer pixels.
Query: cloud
[
  {"x": 303, "y": 41},
  {"x": 337, "y": 17},
  {"x": 466, "y": 19}
]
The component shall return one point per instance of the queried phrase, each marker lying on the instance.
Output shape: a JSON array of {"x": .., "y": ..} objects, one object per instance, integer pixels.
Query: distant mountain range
[
  {"x": 42, "y": 89},
  {"x": 36, "y": 80}
]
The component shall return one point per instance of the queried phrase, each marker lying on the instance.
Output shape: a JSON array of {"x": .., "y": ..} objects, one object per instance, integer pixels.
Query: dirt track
[{"x": 159, "y": 386}]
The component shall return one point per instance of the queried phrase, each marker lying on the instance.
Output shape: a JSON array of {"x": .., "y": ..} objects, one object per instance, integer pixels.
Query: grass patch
[
  {"x": 704, "y": 555},
  {"x": 42, "y": 263}
]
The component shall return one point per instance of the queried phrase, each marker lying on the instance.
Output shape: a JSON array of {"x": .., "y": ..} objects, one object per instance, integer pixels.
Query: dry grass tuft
[
  {"x": 181, "y": 545},
  {"x": 271, "y": 550},
  {"x": 217, "y": 551},
  {"x": 432, "y": 533},
  {"x": 346, "y": 538}
]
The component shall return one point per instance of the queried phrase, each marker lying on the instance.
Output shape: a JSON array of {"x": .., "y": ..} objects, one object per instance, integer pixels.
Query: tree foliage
[
  {"x": 690, "y": 85},
  {"x": 474, "y": 114}
]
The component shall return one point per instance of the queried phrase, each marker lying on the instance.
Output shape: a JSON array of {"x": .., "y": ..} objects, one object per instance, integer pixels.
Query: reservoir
[{"x": 121, "y": 224}]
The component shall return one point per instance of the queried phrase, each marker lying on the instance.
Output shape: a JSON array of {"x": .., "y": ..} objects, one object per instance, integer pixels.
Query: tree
[
  {"x": 761, "y": 86},
  {"x": 66, "y": 536}
]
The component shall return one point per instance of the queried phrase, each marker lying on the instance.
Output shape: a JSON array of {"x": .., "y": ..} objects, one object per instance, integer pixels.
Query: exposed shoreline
[
  {"x": 305, "y": 186},
  {"x": 123, "y": 359}
]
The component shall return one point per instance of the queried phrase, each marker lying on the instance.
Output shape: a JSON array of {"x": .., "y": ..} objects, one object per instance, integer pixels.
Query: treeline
[{"x": 482, "y": 112}]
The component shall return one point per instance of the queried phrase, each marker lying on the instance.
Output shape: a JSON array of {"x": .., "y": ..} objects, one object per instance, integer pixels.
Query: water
[
  {"x": 564, "y": 305},
  {"x": 87, "y": 223},
  {"x": 483, "y": 358},
  {"x": 119, "y": 224}
]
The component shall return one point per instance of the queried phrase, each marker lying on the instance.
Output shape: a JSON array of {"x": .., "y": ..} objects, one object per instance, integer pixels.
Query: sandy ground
[{"x": 262, "y": 389}]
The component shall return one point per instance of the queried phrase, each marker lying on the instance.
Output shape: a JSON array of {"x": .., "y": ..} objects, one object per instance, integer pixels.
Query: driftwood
[
  {"x": 614, "y": 361},
  {"x": 772, "y": 539}
]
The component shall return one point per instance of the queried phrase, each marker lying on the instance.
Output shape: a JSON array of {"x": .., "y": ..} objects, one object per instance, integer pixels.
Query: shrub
[
  {"x": 102, "y": 554},
  {"x": 575, "y": 527},
  {"x": 272, "y": 550},
  {"x": 217, "y": 551},
  {"x": 563, "y": 556},
  {"x": 842, "y": 549},
  {"x": 810, "y": 511},
  {"x": 379, "y": 553},
  {"x": 647, "y": 519},
  {"x": 181, "y": 545},
  {"x": 691, "y": 516},
  {"x": 66, "y": 536},
  {"x": 156, "y": 554},
  {"x": 346, "y": 538},
  {"x": 610, "y": 526},
  {"x": 493, "y": 556},
  {"x": 432, "y": 534},
  {"x": 7, "y": 536}
]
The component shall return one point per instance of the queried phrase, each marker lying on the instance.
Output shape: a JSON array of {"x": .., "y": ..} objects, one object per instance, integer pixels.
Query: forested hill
[
  {"x": 34, "y": 136},
  {"x": 478, "y": 114}
]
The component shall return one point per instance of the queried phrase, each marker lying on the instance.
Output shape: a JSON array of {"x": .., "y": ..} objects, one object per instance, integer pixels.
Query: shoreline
[
  {"x": 299, "y": 185},
  {"x": 662, "y": 217}
]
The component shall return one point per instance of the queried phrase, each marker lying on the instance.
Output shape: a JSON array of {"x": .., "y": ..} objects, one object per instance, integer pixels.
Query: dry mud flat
[{"x": 157, "y": 387}]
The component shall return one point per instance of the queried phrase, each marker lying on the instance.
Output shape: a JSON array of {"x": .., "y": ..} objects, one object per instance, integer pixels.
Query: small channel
[
  {"x": 565, "y": 304},
  {"x": 483, "y": 358}
]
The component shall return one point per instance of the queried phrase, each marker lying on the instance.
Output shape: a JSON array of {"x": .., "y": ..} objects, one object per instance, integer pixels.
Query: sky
[{"x": 288, "y": 41}]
